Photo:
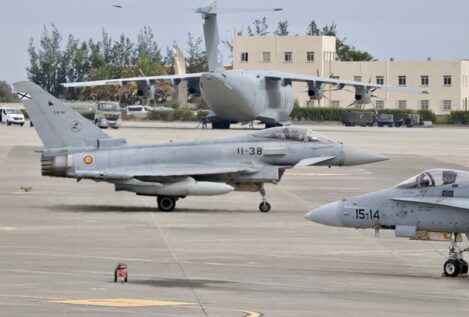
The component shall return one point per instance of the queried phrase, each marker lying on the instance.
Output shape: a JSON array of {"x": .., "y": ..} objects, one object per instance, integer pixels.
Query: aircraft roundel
[{"x": 88, "y": 159}]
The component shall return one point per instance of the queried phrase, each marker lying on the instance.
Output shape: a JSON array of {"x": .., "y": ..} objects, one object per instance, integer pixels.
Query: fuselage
[
  {"x": 232, "y": 151},
  {"x": 244, "y": 95},
  {"x": 430, "y": 208}
]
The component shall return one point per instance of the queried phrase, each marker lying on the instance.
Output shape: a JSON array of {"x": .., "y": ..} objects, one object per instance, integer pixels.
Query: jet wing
[
  {"x": 163, "y": 170},
  {"x": 462, "y": 203},
  {"x": 338, "y": 82},
  {"x": 122, "y": 81}
]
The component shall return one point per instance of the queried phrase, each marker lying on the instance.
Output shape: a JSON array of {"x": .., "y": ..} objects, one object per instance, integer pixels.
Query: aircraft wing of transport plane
[
  {"x": 245, "y": 95},
  {"x": 76, "y": 148},
  {"x": 433, "y": 205}
]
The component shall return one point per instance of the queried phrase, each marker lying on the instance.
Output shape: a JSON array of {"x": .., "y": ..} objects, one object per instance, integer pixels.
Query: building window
[
  {"x": 424, "y": 80},
  {"x": 447, "y": 104},
  {"x": 380, "y": 80},
  {"x": 357, "y": 78},
  {"x": 310, "y": 57},
  {"x": 379, "y": 104},
  {"x": 335, "y": 103},
  {"x": 266, "y": 57},
  {"x": 402, "y": 80},
  {"x": 447, "y": 80},
  {"x": 402, "y": 104},
  {"x": 244, "y": 57},
  {"x": 288, "y": 57},
  {"x": 424, "y": 104}
]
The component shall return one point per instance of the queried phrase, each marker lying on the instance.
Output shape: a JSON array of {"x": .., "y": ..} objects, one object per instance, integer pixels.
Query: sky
[{"x": 402, "y": 29}]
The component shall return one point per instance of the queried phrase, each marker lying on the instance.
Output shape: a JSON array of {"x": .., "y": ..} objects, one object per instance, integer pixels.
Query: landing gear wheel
[
  {"x": 264, "y": 206},
  {"x": 452, "y": 268},
  {"x": 464, "y": 266},
  {"x": 115, "y": 276},
  {"x": 166, "y": 203}
]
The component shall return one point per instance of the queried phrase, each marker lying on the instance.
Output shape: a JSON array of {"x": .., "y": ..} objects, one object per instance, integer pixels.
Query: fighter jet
[
  {"x": 245, "y": 95},
  {"x": 75, "y": 148},
  {"x": 433, "y": 205}
]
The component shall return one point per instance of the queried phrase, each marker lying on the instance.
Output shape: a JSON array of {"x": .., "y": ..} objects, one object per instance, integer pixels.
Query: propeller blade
[{"x": 352, "y": 104}]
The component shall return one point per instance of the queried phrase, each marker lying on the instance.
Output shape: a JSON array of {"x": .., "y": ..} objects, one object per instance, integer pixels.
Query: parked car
[
  {"x": 137, "y": 111},
  {"x": 353, "y": 118},
  {"x": 11, "y": 116},
  {"x": 408, "y": 120},
  {"x": 385, "y": 119}
]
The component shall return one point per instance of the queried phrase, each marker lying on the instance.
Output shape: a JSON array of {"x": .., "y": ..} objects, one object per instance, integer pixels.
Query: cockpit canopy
[
  {"x": 292, "y": 133},
  {"x": 435, "y": 178}
]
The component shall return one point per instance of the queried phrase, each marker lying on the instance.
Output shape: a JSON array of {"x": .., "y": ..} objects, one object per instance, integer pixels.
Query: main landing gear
[
  {"x": 166, "y": 203},
  {"x": 455, "y": 264},
  {"x": 264, "y": 206}
]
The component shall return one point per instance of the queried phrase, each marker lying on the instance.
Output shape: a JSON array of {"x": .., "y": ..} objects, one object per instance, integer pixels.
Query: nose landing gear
[{"x": 264, "y": 206}]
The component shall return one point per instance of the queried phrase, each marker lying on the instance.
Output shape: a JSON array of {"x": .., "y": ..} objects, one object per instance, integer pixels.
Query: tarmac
[{"x": 219, "y": 256}]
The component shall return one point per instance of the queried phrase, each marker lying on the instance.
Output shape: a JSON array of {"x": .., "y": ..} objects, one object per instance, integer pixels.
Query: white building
[{"x": 447, "y": 82}]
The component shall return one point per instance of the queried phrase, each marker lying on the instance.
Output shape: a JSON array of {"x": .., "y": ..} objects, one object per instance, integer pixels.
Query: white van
[
  {"x": 138, "y": 111},
  {"x": 11, "y": 116}
]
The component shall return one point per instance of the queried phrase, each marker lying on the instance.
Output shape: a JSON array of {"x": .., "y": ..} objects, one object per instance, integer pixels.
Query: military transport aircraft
[
  {"x": 432, "y": 205},
  {"x": 75, "y": 148},
  {"x": 245, "y": 95}
]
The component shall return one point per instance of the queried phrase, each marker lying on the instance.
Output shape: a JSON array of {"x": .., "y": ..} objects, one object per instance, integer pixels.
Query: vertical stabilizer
[
  {"x": 212, "y": 37},
  {"x": 58, "y": 126},
  {"x": 179, "y": 61}
]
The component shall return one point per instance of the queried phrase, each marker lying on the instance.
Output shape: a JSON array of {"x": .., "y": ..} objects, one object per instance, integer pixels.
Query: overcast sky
[{"x": 403, "y": 29}]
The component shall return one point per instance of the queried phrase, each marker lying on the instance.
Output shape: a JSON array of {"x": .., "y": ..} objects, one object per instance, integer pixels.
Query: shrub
[
  {"x": 458, "y": 117},
  {"x": 168, "y": 115},
  {"x": 335, "y": 114}
]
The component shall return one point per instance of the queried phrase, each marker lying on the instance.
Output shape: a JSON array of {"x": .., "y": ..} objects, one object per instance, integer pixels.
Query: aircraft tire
[
  {"x": 464, "y": 266},
  {"x": 452, "y": 268},
  {"x": 264, "y": 206},
  {"x": 115, "y": 276},
  {"x": 166, "y": 203}
]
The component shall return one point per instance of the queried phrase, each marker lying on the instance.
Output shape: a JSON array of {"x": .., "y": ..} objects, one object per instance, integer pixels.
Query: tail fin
[
  {"x": 58, "y": 126},
  {"x": 212, "y": 38}
]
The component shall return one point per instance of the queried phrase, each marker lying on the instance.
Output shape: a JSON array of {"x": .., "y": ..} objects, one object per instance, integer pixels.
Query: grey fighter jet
[
  {"x": 75, "y": 148},
  {"x": 245, "y": 95},
  {"x": 433, "y": 205}
]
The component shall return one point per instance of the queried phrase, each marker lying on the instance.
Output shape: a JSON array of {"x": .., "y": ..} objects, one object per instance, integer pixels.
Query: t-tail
[
  {"x": 60, "y": 128},
  {"x": 212, "y": 37}
]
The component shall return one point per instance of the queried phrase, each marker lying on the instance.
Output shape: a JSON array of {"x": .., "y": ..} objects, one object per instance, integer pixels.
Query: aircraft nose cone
[
  {"x": 356, "y": 156},
  {"x": 327, "y": 214}
]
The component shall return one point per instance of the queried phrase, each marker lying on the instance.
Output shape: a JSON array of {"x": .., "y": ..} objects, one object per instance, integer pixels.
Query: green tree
[
  {"x": 6, "y": 94},
  {"x": 122, "y": 51},
  {"x": 47, "y": 69},
  {"x": 260, "y": 27},
  {"x": 147, "y": 47},
  {"x": 282, "y": 28},
  {"x": 197, "y": 57},
  {"x": 345, "y": 52},
  {"x": 313, "y": 29}
]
